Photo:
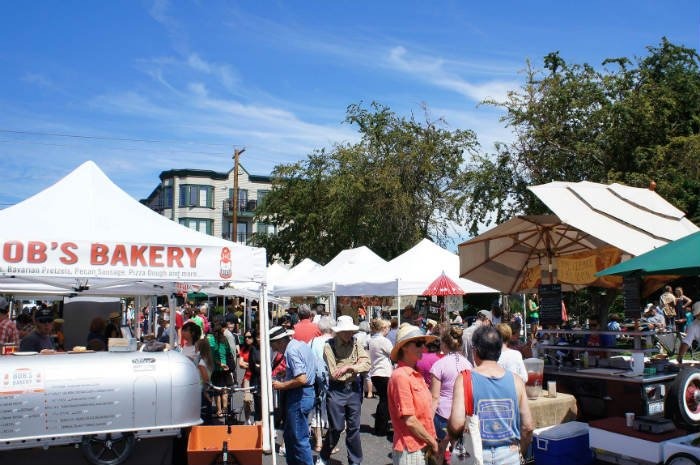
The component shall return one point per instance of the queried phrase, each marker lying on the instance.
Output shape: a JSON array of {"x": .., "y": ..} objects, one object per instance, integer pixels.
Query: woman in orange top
[{"x": 410, "y": 402}]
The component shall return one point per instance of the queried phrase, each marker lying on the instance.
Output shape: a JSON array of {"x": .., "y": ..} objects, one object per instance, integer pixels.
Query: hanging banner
[
  {"x": 105, "y": 259},
  {"x": 580, "y": 268}
]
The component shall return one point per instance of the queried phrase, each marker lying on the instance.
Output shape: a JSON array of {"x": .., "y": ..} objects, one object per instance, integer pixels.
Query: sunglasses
[
  {"x": 419, "y": 343},
  {"x": 248, "y": 336}
]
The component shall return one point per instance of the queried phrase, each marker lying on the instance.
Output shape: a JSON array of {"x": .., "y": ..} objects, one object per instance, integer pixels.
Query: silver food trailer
[{"x": 102, "y": 401}]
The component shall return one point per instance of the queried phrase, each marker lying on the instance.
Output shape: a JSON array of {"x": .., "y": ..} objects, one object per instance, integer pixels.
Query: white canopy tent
[
  {"x": 86, "y": 235},
  {"x": 346, "y": 274},
  {"x": 357, "y": 271},
  {"x": 423, "y": 263}
]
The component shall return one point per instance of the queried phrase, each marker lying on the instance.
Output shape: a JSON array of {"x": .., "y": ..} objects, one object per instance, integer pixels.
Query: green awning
[
  {"x": 196, "y": 295},
  {"x": 680, "y": 257}
]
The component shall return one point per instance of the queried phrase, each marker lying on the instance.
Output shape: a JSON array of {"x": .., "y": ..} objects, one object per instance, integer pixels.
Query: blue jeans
[
  {"x": 300, "y": 402},
  {"x": 440, "y": 426},
  {"x": 504, "y": 455}
]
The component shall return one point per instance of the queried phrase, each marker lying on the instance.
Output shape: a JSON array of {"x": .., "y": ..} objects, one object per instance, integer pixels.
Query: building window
[
  {"x": 263, "y": 228},
  {"x": 242, "y": 199},
  {"x": 168, "y": 197},
  {"x": 261, "y": 195},
  {"x": 198, "y": 224},
  {"x": 194, "y": 195}
]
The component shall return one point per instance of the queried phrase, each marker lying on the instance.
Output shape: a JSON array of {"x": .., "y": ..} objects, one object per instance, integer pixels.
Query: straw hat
[
  {"x": 279, "y": 332},
  {"x": 408, "y": 333},
  {"x": 345, "y": 324}
]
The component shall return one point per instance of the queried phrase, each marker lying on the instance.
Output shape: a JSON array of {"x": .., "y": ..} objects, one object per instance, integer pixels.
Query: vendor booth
[
  {"x": 593, "y": 227},
  {"x": 85, "y": 236}
]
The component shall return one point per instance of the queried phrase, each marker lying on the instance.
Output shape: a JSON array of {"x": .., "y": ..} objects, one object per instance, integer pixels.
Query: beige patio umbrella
[{"x": 522, "y": 253}]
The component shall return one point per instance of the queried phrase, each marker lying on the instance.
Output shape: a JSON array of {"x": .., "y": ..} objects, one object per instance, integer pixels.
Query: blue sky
[{"x": 145, "y": 86}]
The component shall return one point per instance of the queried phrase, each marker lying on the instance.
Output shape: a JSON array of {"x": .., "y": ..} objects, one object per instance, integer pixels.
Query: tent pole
[
  {"x": 171, "y": 327},
  {"x": 332, "y": 305},
  {"x": 525, "y": 316},
  {"x": 266, "y": 376},
  {"x": 398, "y": 297},
  {"x": 137, "y": 315}
]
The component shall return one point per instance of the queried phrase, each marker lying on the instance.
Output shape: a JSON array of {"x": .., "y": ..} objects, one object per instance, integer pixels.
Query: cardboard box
[{"x": 566, "y": 443}]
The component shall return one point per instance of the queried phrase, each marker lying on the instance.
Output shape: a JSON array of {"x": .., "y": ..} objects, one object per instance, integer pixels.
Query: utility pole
[{"x": 236, "y": 154}]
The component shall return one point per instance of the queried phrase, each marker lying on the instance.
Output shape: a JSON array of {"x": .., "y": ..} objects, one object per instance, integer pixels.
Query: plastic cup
[
  {"x": 629, "y": 419},
  {"x": 552, "y": 388}
]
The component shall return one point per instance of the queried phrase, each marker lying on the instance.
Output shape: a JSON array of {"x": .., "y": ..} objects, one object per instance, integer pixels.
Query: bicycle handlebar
[{"x": 214, "y": 387}]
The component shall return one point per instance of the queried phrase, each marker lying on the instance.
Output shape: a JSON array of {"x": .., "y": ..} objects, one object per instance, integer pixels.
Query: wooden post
[{"x": 236, "y": 154}]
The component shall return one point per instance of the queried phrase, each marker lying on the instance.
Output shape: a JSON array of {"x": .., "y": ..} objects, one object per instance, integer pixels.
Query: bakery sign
[{"x": 85, "y": 259}]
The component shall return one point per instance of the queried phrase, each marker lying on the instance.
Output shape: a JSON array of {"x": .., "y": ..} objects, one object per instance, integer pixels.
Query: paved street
[
  {"x": 160, "y": 451},
  {"x": 376, "y": 450}
]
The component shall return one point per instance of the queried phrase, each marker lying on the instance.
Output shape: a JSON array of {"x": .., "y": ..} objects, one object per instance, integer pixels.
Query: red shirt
[
  {"x": 306, "y": 330},
  {"x": 408, "y": 395}
]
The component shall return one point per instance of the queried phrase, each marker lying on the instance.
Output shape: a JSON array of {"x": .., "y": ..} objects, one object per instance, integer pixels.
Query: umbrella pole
[{"x": 525, "y": 317}]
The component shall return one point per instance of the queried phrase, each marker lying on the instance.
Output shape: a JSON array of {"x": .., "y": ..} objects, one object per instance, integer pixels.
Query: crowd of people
[{"x": 330, "y": 366}]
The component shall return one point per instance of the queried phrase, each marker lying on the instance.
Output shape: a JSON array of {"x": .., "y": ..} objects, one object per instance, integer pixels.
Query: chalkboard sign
[
  {"x": 631, "y": 296},
  {"x": 550, "y": 304}
]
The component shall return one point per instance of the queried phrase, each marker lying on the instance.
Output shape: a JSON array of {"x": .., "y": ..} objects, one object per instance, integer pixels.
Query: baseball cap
[
  {"x": 44, "y": 315},
  {"x": 486, "y": 314}
]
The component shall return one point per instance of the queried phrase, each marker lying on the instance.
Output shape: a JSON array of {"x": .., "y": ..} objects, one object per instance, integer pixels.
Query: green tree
[
  {"x": 401, "y": 182},
  {"x": 624, "y": 123}
]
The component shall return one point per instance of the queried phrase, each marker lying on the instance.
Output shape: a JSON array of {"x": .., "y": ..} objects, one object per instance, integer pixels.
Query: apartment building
[{"x": 203, "y": 200}]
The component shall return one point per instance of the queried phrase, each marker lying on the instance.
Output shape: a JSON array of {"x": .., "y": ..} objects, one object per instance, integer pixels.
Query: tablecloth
[{"x": 548, "y": 411}]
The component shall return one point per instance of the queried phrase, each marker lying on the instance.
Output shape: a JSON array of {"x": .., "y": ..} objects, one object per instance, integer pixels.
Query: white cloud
[
  {"x": 39, "y": 80},
  {"x": 434, "y": 71}
]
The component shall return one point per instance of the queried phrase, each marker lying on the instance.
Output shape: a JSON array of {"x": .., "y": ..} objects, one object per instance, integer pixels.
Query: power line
[
  {"x": 120, "y": 139},
  {"x": 127, "y": 149}
]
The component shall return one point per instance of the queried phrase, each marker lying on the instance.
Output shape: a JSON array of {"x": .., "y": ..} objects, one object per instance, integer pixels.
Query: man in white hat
[
  {"x": 693, "y": 333},
  {"x": 346, "y": 360},
  {"x": 299, "y": 389}
]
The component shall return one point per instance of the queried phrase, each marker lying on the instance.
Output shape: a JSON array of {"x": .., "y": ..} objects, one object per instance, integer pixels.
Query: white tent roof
[
  {"x": 357, "y": 271},
  {"x": 422, "y": 264},
  {"x": 632, "y": 219},
  {"x": 85, "y": 231}
]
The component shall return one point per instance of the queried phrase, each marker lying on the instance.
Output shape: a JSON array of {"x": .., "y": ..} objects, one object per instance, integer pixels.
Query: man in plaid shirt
[{"x": 8, "y": 330}]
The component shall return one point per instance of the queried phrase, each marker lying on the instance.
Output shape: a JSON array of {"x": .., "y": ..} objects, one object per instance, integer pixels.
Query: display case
[{"x": 606, "y": 371}]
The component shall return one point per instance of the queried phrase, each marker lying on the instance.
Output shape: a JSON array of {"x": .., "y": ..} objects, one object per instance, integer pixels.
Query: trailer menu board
[{"x": 58, "y": 395}]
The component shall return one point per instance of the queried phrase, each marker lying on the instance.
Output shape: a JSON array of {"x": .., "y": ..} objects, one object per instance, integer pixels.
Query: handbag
[{"x": 471, "y": 451}]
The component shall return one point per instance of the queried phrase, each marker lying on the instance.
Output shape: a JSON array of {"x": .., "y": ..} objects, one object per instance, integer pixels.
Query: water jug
[{"x": 535, "y": 376}]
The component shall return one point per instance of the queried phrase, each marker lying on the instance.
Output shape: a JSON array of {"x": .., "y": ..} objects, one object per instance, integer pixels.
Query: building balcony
[{"x": 246, "y": 209}]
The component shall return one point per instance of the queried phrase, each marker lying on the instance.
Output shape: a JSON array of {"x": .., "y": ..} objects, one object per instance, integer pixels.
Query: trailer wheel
[
  {"x": 107, "y": 449},
  {"x": 686, "y": 395},
  {"x": 681, "y": 459}
]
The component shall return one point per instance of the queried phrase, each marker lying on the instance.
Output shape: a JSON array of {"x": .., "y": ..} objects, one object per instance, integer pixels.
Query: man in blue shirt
[{"x": 300, "y": 396}]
